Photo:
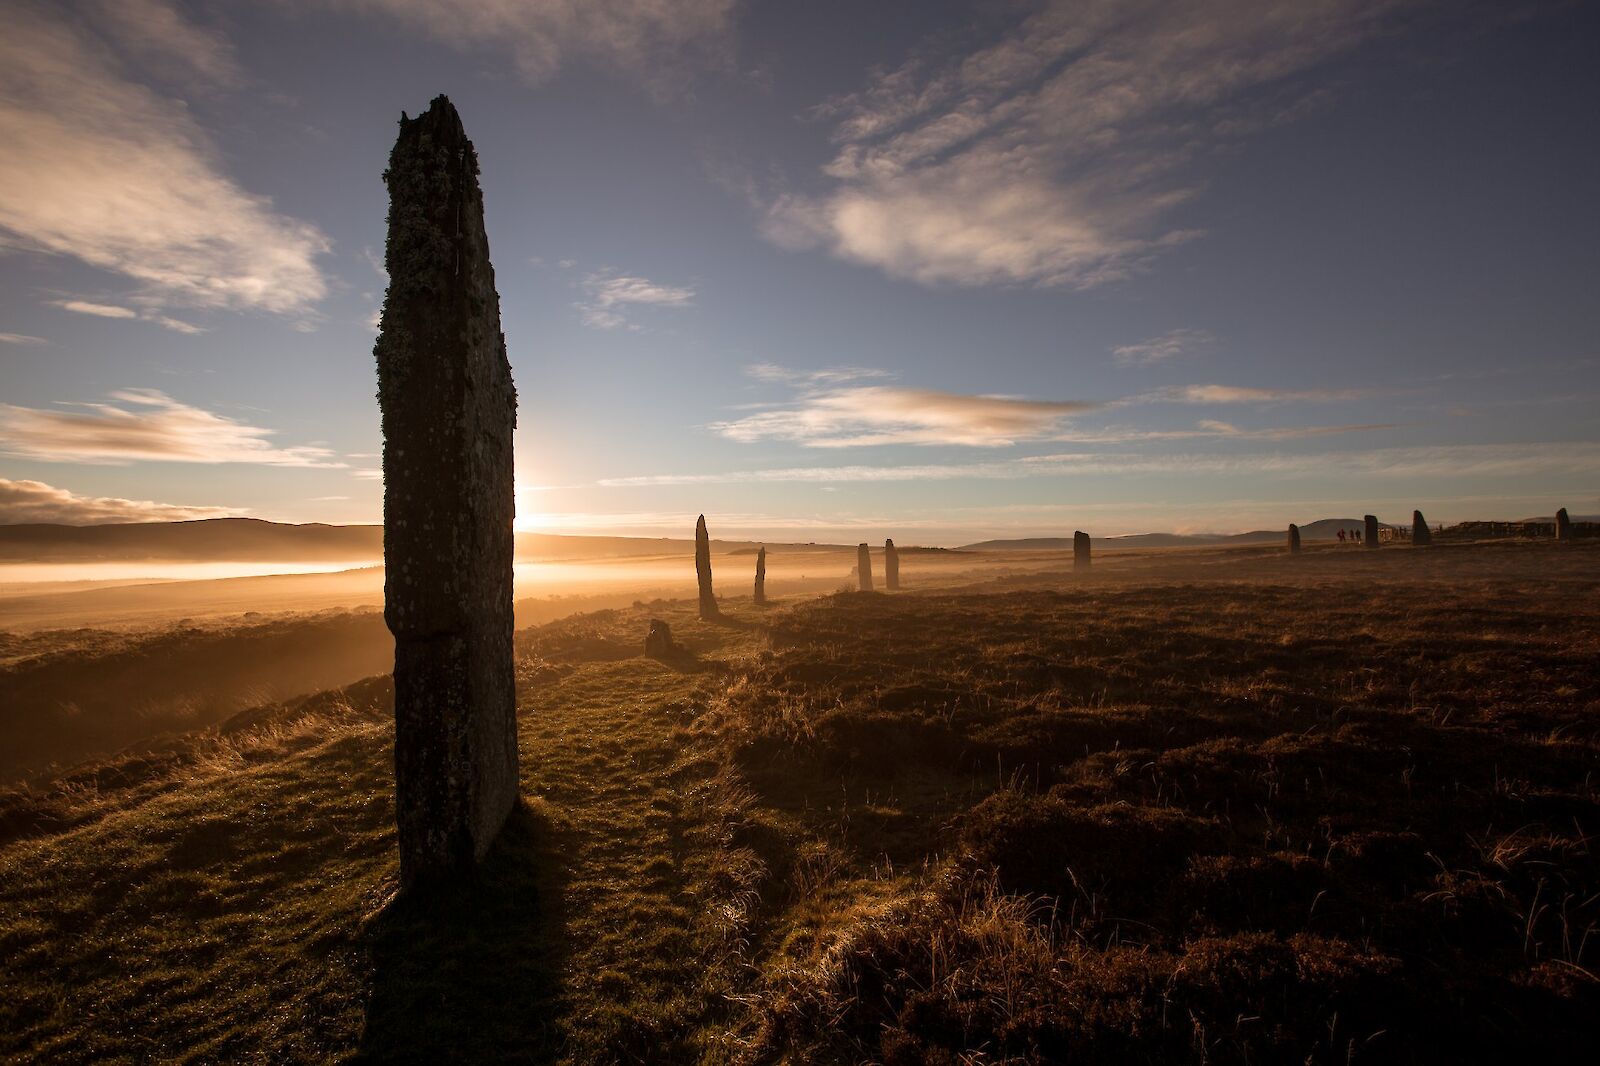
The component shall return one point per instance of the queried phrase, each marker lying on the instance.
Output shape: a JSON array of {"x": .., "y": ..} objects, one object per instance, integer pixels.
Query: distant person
[
  {"x": 1341, "y": 536},
  {"x": 1357, "y": 533}
]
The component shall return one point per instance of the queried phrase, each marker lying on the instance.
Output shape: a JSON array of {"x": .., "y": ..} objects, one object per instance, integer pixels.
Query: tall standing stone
[
  {"x": 1294, "y": 538},
  {"x": 1369, "y": 535},
  {"x": 449, "y": 406},
  {"x": 702, "y": 570},
  {"x": 1563, "y": 525},
  {"x": 1080, "y": 550},
  {"x": 863, "y": 567},
  {"x": 1421, "y": 535},
  {"x": 891, "y": 566},
  {"x": 761, "y": 576}
]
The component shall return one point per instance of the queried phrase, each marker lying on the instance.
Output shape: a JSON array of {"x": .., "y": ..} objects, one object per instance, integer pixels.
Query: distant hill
[
  {"x": 1322, "y": 529},
  {"x": 241, "y": 539}
]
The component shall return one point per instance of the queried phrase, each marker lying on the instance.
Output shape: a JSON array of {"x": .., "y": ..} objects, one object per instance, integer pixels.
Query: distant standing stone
[
  {"x": 1369, "y": 535},
  {"x": 1294, "y": 538},
  {"x": 863, "y": 568},
  {"x": 702, "y": 569},
  {"x": 1080, "y": 550},
  {"x": 891, "y": 566},
  {"x": 658, "y": 641},
  {"x": 761, "y": 576},
  {"x": 1563, "y": 525},
  {"x": 449, "y": 406},
  {"x": 1421, "y": 535}
]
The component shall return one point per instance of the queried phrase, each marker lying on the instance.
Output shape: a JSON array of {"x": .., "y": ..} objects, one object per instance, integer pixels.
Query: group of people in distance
[{"x": 1354, "y": 536}]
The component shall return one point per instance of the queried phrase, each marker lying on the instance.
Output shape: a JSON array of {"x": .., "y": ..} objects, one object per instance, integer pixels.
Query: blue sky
[{"x": 830, "y": 271}]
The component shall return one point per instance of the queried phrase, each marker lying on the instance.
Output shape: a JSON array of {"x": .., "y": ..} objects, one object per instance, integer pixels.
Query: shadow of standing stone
[{"x": 449, "y": 407}]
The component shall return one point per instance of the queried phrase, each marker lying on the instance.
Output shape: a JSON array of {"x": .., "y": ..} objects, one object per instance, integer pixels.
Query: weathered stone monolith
[
  {"x": 1080, "y": 550},
  {"x": 1563, "y": 525},
  {"x": 761, "y": 576},
  {"x": 449, "y": 406},
  {"x": 702, "y": 569},
  {"x": 891, "y": 566},
  {"x": 1369, "y": 535},
  {"x": 863, "y": 568},
  {"x": 1421, "y": 535},
  {"x": 658, "y": 643},
  {"x": 1294, "y": 538}
]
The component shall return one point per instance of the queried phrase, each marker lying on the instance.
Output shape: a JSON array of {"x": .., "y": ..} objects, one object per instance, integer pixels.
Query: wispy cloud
[
  {"x": 84, "y": 307},
  {"x": 610, "y": 296},
  {"x": 144, "y": 424},
  {"x": 1460, "y": 460},
  {"x": 653, "y": 40},
  {"x": 1215, "y": 429},
  {"x": 1240, "y": 394},
  {"x": 34, "y": 501},
  {"x": 162, "y": 37},
  {"x": 834, "y": 375},
  {"x": 101, "y": 168},
  {"x": 21, "y": 338},
  {"x": 1055, "y": 154},
  {"x": 1161, "y": 349},
  {"x": 828, "y": 414}
]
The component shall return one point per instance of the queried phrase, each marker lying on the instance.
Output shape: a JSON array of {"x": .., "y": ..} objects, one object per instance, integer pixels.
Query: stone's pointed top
[{"x": 441, "y": 120}]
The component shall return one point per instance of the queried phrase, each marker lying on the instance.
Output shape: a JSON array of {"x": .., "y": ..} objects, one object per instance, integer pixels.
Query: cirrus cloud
[
  {"x": 611, "y": 295},
  {"x": 1054, "y": 155},
  {"x": 649, "y": 39}
]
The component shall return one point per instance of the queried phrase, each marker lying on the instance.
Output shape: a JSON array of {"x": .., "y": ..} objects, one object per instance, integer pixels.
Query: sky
[{"x": 929, "y": 270}]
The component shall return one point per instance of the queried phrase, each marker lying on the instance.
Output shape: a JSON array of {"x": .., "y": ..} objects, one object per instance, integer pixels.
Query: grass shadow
[{"x": 471, "y": 973}]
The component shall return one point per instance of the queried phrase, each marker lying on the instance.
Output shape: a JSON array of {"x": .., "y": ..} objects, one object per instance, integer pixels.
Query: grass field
[{"x": 1211, "y": 806}]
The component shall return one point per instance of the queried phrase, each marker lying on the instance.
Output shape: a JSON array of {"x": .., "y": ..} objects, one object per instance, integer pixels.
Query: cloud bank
[
  {"x": 34, "y": 501},
  {"x": 144, "y": 424}
]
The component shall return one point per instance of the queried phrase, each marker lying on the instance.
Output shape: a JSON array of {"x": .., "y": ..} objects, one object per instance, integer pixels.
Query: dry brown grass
[{"x": 1194, "y": 807}]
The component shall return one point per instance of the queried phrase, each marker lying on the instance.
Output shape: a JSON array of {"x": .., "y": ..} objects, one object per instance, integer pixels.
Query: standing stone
[
  {"x": 1563, "y": 525},
  {"x": 1421, "y": 535},
  {"x": 1369, "y": 536},
  {"x": 658, "y": 642},
  {"x": 863, "y": 568},
  {"x": 761, "y": 577},
  {"x": 1294, "y": 538},
  {"x": 891, "y": 566},
  {"x": 1080, "y": 550},
  {"x": 702, "y": 569},
  {"x": 449, "y": 406}
]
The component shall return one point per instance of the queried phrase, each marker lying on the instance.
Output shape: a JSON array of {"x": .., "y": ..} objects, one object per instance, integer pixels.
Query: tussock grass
[{"x": 1214, "y": 808}]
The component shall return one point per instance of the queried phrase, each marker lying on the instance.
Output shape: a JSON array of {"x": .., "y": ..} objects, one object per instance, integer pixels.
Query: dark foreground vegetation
[{"x": 1218, "y": 808}]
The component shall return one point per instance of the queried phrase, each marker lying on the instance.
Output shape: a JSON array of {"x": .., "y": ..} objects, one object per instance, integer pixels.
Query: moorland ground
[{"x": 1214, "y": 806}]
